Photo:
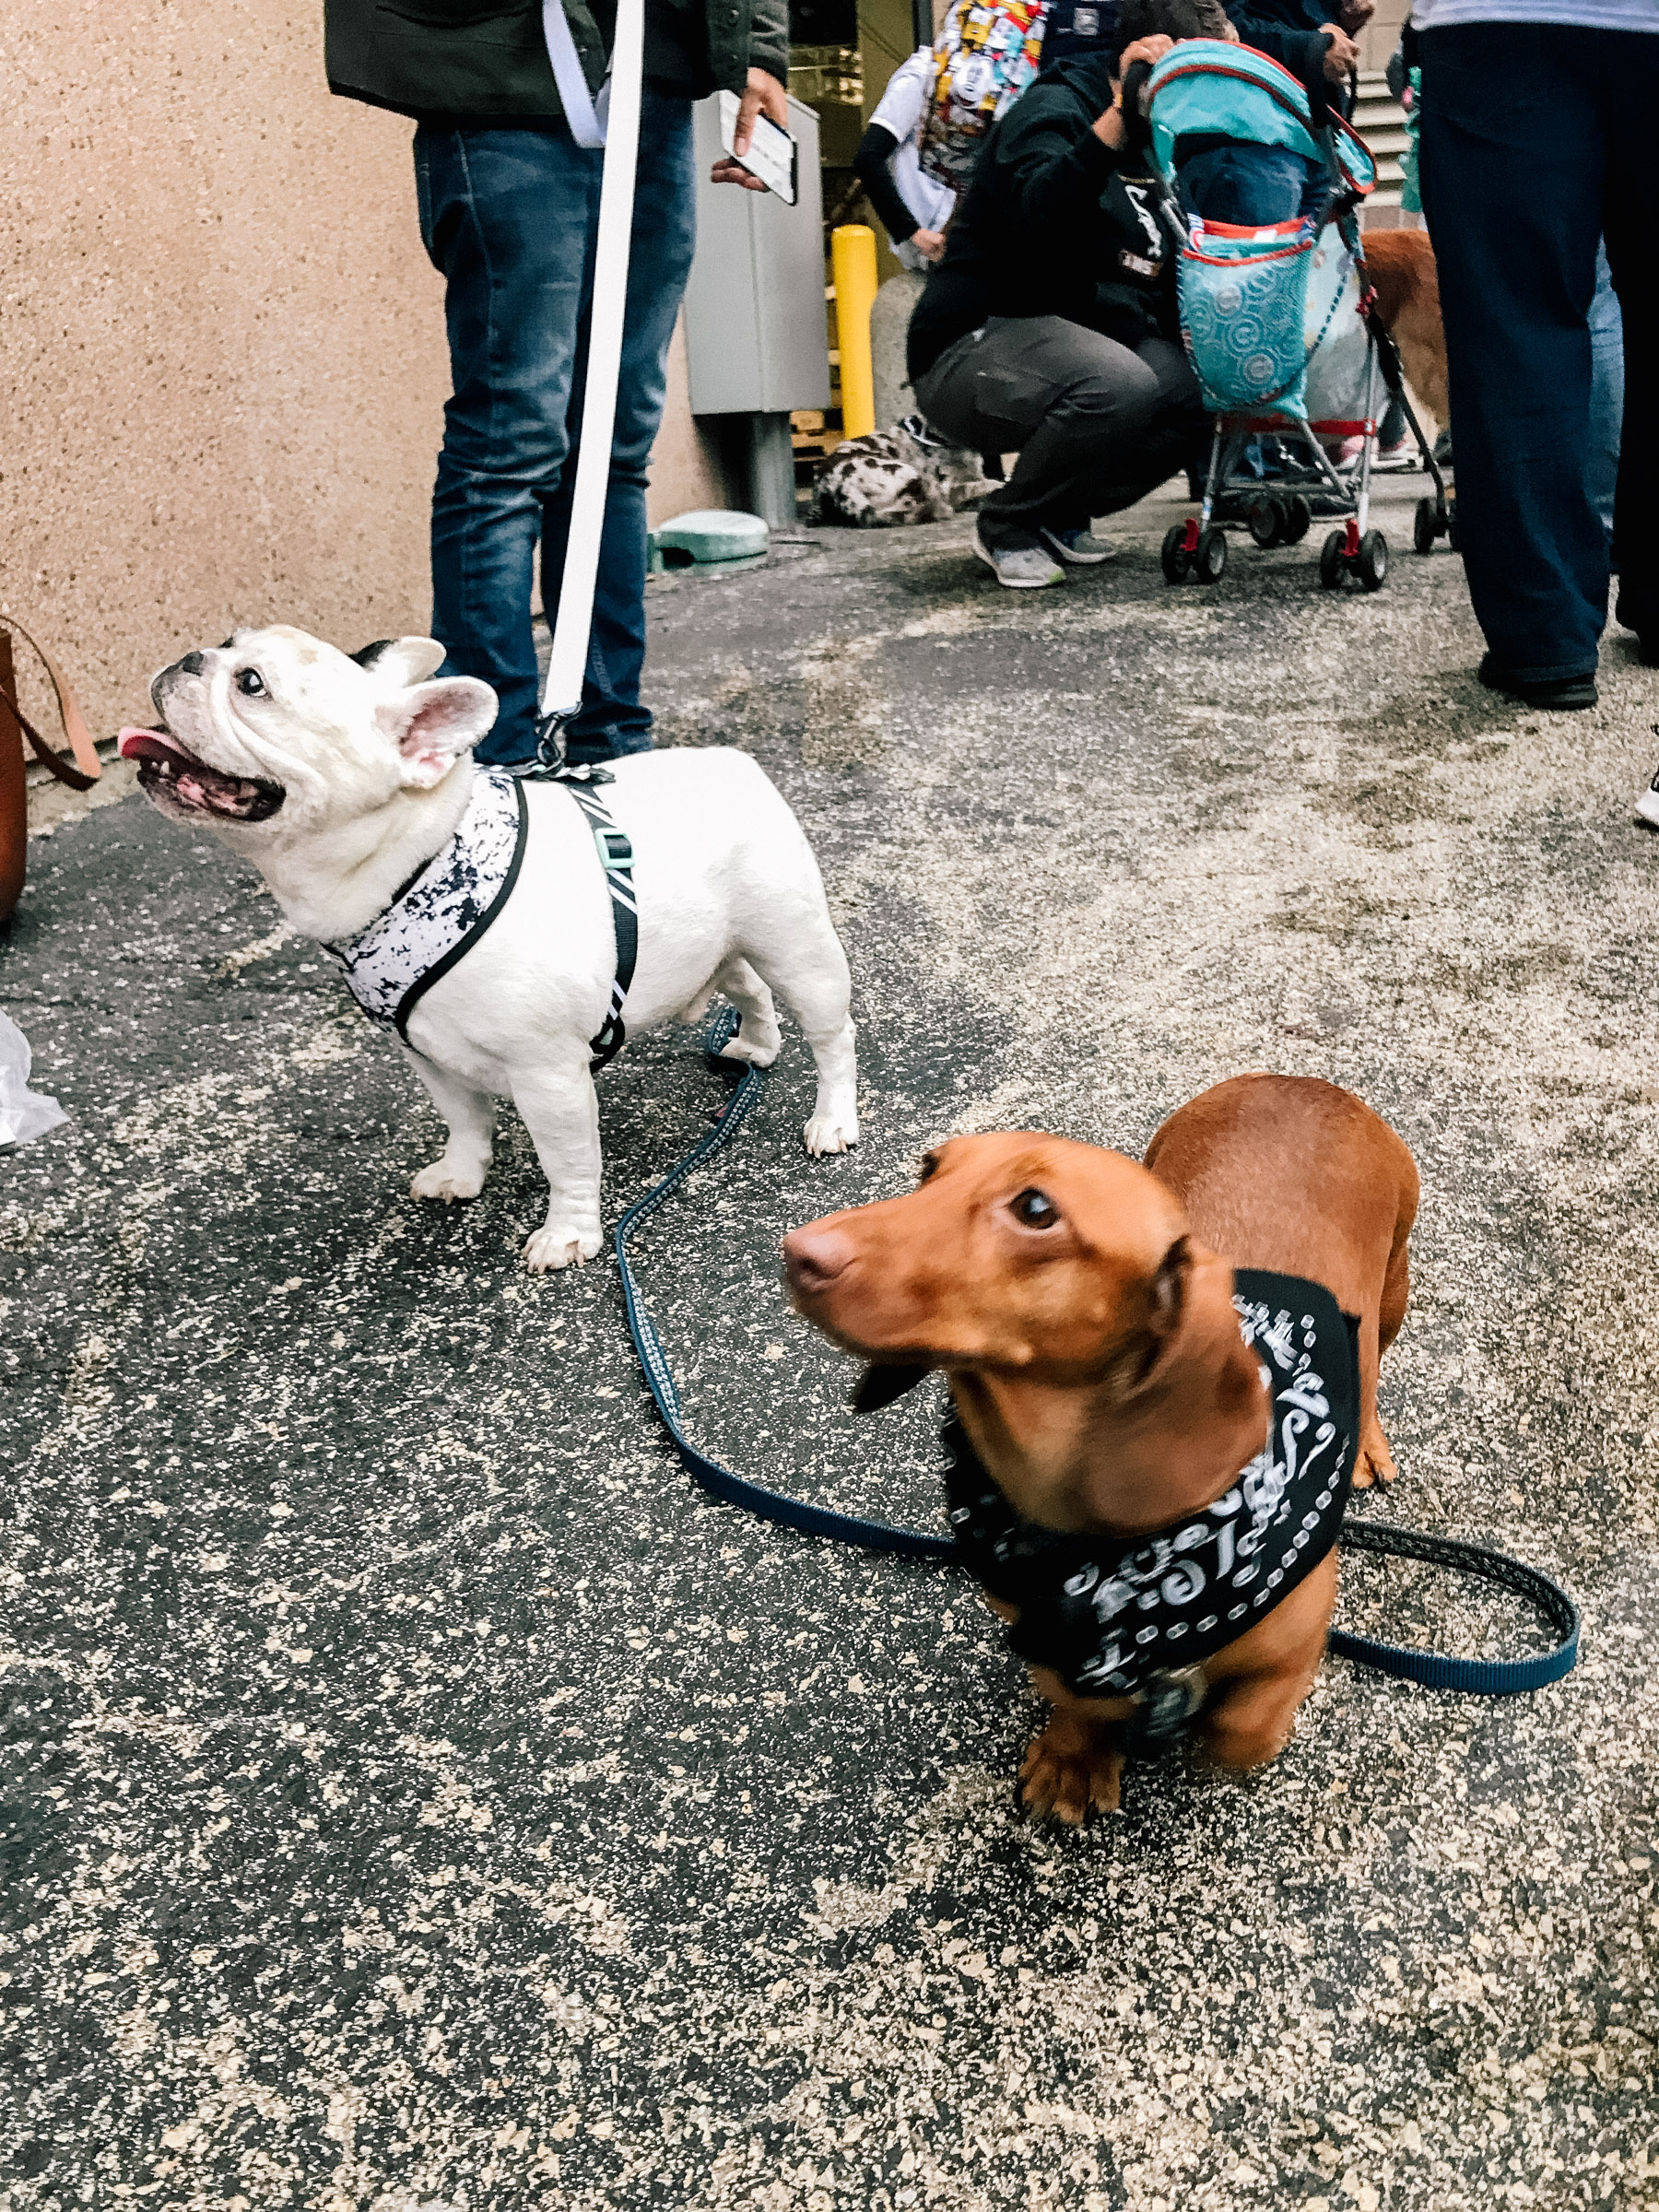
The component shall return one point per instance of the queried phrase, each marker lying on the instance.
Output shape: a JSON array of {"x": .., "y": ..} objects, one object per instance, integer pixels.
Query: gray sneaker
[
  {"x": 1018, "y": 568},
  {"x": 1078, "y": 548}
]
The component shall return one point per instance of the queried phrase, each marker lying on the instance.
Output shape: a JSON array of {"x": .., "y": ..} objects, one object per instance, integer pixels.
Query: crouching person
[{"x": 1050, "y": 326}]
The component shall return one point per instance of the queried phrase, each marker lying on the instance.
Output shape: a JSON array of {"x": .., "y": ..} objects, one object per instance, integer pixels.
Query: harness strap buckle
[
  {"x": 1164, "y": 1711},
  {"x": 616, "y": 848}
]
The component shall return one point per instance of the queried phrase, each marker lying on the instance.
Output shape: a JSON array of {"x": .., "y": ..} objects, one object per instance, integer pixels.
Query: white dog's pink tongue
[{"x": 145, "y": 745}]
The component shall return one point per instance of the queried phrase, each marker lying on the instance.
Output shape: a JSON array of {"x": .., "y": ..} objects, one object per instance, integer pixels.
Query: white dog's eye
[{"x": 251, "y": 683}]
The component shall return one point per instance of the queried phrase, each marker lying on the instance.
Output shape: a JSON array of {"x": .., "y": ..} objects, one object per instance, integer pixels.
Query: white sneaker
[
  {"x": 1647, "y": 805},
  {"x": 1018, "y": 568},
  {"x": 1393, "y": 459},
  {"x": 1079, "y": 549}
]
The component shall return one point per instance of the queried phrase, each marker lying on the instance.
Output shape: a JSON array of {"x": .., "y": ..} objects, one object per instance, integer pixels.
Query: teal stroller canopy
[
  {"x": 1220, "y": 89},
  {"x": 1261, "y": 308}
]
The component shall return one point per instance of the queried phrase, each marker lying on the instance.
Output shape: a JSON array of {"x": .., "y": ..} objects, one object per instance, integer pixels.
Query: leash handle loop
[{"x": 1442, "y": 1670}]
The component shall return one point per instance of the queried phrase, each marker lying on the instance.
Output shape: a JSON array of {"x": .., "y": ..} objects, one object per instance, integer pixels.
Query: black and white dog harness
[
  {"x": 448, "y": 904},
  {"x": 1123, "y": 1618}
]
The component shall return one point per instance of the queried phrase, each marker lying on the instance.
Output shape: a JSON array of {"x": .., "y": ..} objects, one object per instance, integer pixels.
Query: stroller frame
[{"x": 1197, "y": 548}]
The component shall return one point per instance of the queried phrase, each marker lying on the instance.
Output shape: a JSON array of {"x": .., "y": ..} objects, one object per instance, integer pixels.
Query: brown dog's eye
[
  {"x": 930, "y": 1160},
  {"x": 1035, "y": 1209}
]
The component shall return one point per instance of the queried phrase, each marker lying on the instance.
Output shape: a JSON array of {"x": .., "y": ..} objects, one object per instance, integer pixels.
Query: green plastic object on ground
[{"x": 712, "y": 534}]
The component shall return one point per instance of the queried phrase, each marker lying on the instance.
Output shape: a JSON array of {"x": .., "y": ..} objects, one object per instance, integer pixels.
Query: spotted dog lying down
[
  {"x": 906, "y": 474},
  {"x": 471, "y": 912}
]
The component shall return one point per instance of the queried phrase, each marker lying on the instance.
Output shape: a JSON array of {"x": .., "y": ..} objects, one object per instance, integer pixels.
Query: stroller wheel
[
  {"x": 1425, "y": 526},
  {"x": 1297, "y": 521},
  {"x": 1175, "y": 558},
  {"x": 1331, "y": 560},
  {"x": 1266, "y": 520},
  {"x": 1451, "y": 527},
  {"x": 1371, "y": 563},
  {"x": 1210, "y": 558}
]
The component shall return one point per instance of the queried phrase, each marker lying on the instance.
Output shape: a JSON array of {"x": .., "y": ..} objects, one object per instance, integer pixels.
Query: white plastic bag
[{"x": 24, "y": 1113}]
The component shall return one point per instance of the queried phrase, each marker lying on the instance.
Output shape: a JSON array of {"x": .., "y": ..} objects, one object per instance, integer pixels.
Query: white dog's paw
[
  {"x": 759, "y": 1047},
  {"x": 831, "y": 1133},
  {"x": 557, "y": 1246},
  {"x": 446, "y": 1181}
]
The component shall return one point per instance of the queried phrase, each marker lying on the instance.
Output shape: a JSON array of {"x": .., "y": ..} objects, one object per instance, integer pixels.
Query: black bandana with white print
[{"x": 1108, "y": 1614}]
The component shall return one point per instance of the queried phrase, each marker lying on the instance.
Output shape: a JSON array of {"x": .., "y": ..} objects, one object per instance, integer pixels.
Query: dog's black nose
[{"x": 190, "y": 665}]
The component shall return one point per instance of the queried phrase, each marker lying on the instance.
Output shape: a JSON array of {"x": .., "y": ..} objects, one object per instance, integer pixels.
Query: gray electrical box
[{"x": 757, "y": 340}]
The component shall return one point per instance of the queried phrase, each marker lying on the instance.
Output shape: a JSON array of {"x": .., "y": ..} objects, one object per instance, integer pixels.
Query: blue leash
[{"x": 1437, "y": 1670}]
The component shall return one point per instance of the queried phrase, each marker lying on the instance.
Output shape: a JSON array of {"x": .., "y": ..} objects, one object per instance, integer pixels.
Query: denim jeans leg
[
  {"x": 1513, "y": 167},
  {"x": 1632, "y": 94},
  {"x": 508, "y": 217},
  {"x": 1606, "y": 391},
  {"x": 612, "y": 719}
]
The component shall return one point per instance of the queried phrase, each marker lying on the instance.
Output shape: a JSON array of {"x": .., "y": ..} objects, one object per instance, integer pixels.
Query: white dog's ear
[
  {"x": 401, "y": 660},
  {"x": 430, "y": 723}
]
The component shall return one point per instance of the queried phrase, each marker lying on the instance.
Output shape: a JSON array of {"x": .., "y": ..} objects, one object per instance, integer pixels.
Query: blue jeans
[
  {"x": 1606, "y": 391},
  {"x": 1249, "y": 185},
  {"x": 509, "y": 216},
  {"x": 1537, "y": 140}
]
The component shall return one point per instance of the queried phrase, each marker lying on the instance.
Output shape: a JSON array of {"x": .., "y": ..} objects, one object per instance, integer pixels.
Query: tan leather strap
[{"x": 82, "y": 776}]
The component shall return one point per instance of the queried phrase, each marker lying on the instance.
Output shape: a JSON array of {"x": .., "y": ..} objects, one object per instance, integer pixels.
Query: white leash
[{"x": 614, "y": 122}]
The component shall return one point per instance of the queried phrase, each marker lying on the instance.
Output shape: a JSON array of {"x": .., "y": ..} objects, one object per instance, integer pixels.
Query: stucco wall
[
  {"x": 222, "y": 367},
  {"x": 221, "y": 380}
]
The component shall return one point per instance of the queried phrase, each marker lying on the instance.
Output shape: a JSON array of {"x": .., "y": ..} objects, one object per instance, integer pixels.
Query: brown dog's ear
[
  {"x": 1139, "y": 1359},
  {"x": 878, "y": 1386},
  {"x": 1169, "y": 1289}
]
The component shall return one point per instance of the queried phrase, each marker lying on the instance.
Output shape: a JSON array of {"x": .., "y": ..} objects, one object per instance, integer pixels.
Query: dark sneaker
[
  {"x": 1646, "y": 635},
  {"x": 1554, "y": 695},
  {"x": 1079, "y": 549},
  {"x": 1019, "y": 567}
]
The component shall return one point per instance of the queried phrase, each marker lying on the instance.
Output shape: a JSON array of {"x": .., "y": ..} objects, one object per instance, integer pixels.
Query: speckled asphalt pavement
[{"x": 417, "y": 1796}]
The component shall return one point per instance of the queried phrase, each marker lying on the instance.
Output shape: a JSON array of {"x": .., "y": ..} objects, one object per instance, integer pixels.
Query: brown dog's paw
[
  {"x": 1068, "y": 1772},
  {"x": 1375, "y": 1462}
]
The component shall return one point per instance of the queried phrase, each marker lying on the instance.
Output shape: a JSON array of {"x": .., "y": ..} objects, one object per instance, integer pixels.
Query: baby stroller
[{"x": 1275, "y": 319}]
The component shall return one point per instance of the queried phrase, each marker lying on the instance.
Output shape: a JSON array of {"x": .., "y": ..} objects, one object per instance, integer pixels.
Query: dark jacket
[
  {"x": 1054, "y": 223},
  {"x": 487, "y": 60}
]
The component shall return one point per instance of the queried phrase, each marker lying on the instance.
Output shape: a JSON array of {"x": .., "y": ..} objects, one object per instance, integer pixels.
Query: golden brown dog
[
  {"x": 1401, "y": 268},
  {"x": 1084, "y": 1310}
]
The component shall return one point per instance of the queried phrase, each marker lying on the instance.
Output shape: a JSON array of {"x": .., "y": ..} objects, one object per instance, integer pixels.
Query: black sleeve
[
  {"x": 1049, "y": 171},
  {"x": 876, "y": 149},
  {"x": 1300, "y": 52}
]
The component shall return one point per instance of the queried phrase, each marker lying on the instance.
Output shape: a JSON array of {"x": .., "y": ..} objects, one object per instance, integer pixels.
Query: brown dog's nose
[{"x": 813, "y": 1257}]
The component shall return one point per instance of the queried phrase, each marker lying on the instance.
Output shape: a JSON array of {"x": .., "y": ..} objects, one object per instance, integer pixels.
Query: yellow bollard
[{"x": 852, "y": 259}]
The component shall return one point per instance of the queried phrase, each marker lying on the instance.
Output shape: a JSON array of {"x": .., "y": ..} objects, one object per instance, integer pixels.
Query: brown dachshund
[
  {"x": 1400, "y": 266},
  {"x": 1151, "y": 1454}
]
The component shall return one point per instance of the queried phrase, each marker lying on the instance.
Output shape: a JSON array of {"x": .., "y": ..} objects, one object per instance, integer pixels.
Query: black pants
[
  {"x": 1097, "y": 425},
  {"x": 1535, "y": 139}
]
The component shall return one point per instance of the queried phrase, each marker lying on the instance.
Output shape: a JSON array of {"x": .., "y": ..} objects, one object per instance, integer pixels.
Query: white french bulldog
[{"x": 342, "y": 778}]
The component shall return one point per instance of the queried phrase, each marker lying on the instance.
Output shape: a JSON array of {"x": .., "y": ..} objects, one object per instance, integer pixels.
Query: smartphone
[{"x": 771, "y": 153}]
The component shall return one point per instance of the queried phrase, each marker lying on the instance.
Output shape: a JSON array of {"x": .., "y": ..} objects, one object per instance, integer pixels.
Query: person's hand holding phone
[{"x": 764, "y": 96}]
